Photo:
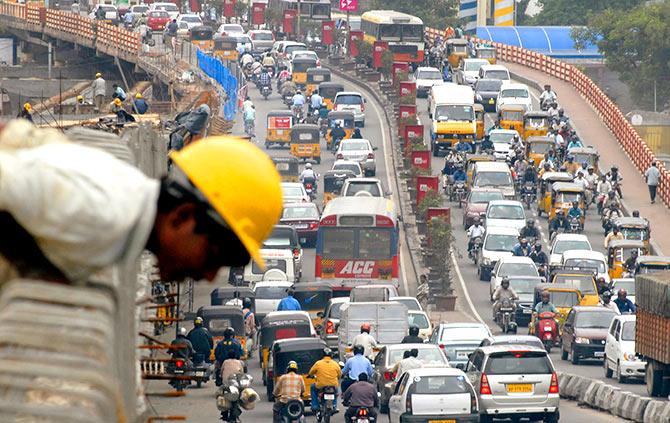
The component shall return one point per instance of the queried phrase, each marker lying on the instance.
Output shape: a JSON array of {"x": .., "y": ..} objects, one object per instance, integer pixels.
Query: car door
[
  {"x": 617, "y": 354},
  {"x": 610, "y": 343},
  {"x": 473, "y": 368},
  {"x": 397, "y": 400},
  {"x": 568, "y": 331},
  {"x": 494, "y": 277}
]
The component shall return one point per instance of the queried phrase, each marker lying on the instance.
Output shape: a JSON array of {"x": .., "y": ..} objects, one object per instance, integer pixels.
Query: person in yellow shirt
[{"x": 327, "y": 373}]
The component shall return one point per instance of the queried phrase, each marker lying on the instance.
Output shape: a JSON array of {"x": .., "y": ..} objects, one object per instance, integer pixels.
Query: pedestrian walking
[
  {"x": 99, "y": 87},
  {"x": 653, "y": 177}
]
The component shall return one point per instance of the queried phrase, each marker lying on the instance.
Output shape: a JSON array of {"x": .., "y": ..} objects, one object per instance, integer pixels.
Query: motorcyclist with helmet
[
  {"x": 530, "y": 231},
  {"x": 289, "y": 387},
  {"x": 355, "y": 366},
  {"x": 181, "y": 347},
  {"x": 201, "y": 340},
  {"x": 558, "y": 222},
  {"x": 545, "y": 304},
  {"x": 522, "y": 249},
  {"x": 459, "y": 175},
  {"x": 575, "y": 212},
  {"x": 608, "y": 303},
  {"x": 337, "y": 134},
  {"x": 475, "y": 231},
  {"x": 366, "y": 340},
  {"x": 611, "y": 199},
  {"x": 327, "y": 372},
  {"x": 502, "y": 293},
  {"x": 615, "y": 179},
  {"x": 413, "y": 337},
  {"x": 547, "y": 96},
  {"x": 530, "y": 175},
  {"x": 538, "y": 256},
  {"x": 631, "y": 262},
  {"x": 486, "y": 144},
  {"x": 308, "y": 175},
  {"x": 609, "y": 215},
  {"x": 464, "y": 147},
  {"x": 227, "y": 344},
  {"x": 265, "y": 79}
]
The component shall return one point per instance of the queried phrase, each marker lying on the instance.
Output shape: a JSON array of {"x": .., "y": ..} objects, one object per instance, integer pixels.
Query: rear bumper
[
  {"x": 459, "y": 418},
  {"x": 489, "y": 406}
]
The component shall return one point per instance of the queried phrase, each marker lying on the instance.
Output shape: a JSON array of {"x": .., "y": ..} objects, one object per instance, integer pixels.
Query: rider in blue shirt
[
  {"x": 486, "y": 143},
  {"x": 289, "y": 303},
  {"x": 625, "y": 305},
  {"x": 522, "y": 249},
  {"x": 460, "y": 175},
  {"x": 464, "y": 147},
  {"x": 575, "y": 211},
  {"x": 355, "y": 366},
  {"x": 298, "y": 99}
]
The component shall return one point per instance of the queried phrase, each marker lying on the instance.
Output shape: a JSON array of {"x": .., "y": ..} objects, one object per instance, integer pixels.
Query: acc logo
[{"x": 358, "y": 267}]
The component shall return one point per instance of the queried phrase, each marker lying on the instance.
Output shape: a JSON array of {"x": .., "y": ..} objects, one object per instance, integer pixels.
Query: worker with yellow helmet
[
  {"x": 116, "y": 105},
  {"x": 26, "y": 112},
  {"x": 99, "y": 88},
  {"x": 140, "y": 105},
  {"x": 203, "y": 215}
]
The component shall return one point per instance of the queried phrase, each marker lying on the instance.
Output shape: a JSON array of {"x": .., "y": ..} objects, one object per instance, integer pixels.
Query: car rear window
[
  {"x": 300, "y": 213},
  {"x": 354, "y": 146},
  {"x": 335, "y": 310},
  {"x": 270, "y": 292},
  {"x": 490, "y": 85},
  {"x": 426, "y": 356},
  {"x": 356, "y": 187},
  {"x": 518, "y": 363},
  {"x": 290, "y": 49},
  {"x": 439, "y": 385},
  {"x": 263, "y": 36},
  {"x": 496, "y": 74},
  {"x": 349, "y": 99},
  {"x": 292, "y": 191},
  {"x": 269, "y": 264},
  {"x": 158, "y": 14},
  {"x": 464, "y": 334},
  {"x": 418, "y": 320},
  {"x": 594, "y": 319}
]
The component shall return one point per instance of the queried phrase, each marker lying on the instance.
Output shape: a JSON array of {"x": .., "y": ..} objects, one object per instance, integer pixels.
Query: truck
[
  {"x": 388, "y": 322},
  {"x": 652, "y": 332},
  {"x": 452, "y": 110}
]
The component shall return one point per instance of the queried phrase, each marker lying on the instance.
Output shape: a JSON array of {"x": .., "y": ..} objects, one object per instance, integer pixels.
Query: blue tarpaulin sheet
[{"x": 213, "y": 68}]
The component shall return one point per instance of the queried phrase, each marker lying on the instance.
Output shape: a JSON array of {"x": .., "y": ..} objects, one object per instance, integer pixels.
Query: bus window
[
  {"x": 390, "y": 32},
  {"x": 374, "y": 243},
  {"x": 412, "y": 33},
  {"x": 338, "y": 243}
]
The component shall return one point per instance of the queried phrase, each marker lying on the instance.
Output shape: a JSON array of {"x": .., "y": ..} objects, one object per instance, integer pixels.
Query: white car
[
  {"x": 426, "y": 78},
  {"x": 420, "y": 319},
  {"x": 587, "y": 260},
  {"x": 410, "y": 302},
  {"x": 626, "y": 283},
  {"x": 507, "y": 213},
  {"x": 498, "y": 243},
  {"x": 348, "y": 165},
  {"x": 230, "y": 29},
  {"x": 244, "y": 41},
  {"x": 503, "y": 151},
  {"x": 261, "y": 39},
  {"x": 267, "y": 296},
  {"x": 513, "y": 94},
  {"x": 432, "y": 395},
  {"x": 362, "y": 186},
  {"x": 468, "y": 73},
  {"x": 511, "y": 266},
  {"x": 282, "y": 49},
  {"x": 170, "y": 8},
  {"x": 294, "y": 192},
  {"x": 358, "y": 150},
  {"x": 502, "y": 135},
  {"x": 566, "y": 242},
  {"x": 190, "y": 20},
  {"x": 620, "y": 359},
  {"x": 351, "y": 101},
  {"x": 280, "y": 267},
  {"x": 111, "y": 12},
  {"x": 305, "y": 53}
]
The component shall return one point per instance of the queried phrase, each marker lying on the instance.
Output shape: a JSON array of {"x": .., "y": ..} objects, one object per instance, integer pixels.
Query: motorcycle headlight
[{"x": 580, "y": 340}]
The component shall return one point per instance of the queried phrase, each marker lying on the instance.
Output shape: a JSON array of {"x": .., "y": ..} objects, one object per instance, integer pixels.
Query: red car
[
  {"x": 157, "y": 19},
  {"x": 476, "y": 203},
  {"x": 305, "y": 218}
]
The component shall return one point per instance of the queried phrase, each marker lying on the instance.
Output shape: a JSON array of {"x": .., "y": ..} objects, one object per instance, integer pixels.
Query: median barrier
[
  {"x": 589, "y": 395},
  {"x": 576, "y": 386},
  {"x": 657, "y": 411},
  {"x": 604, "y": 398},
  {"x": 563, "y": 380}
]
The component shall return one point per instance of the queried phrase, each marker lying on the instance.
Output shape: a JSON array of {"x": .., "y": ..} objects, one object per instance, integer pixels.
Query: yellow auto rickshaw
[
  {"x": 652, "y": 264},
  {"x": 202, "y": 37},
  {"x": 634, "y": 228},
  {"x": 563, "y": 297},
  {"x": 305, "y": 142},
  {"x": 346, "y": 120},
  {"x": 470, "y": 161},
  {"x": 216, "y": 319},
  {"x": 585, "y": 154},
  {"x": 582, "y": 280},
  {"x": 333, "y": 181},
  {"x": 480, "y": 116},
  {"x": 281, "y": 325},
  {"x": 535, "y": 124},
  {"x": 536, "y": 148},
  {"x": 563, "y": 194},
  {"x": 618, "y": 251},
  {"x": 225, "y": 48},
  {"x": 510, "y": 116},
  {"x": 546, "y": 183},
  {"x": 304, "y": 351},
  {"x": 313, "y": 298},
  {"x": 299, "y": 66},
  {"x": 279, "y": 124},
  {"x": 288, "y": 168},
  {"x": 457, "y": 50},
  {"x": 487, "y": 52},
  {"x": 316, "y": 76},
  {"x": 328, "y": 91}
]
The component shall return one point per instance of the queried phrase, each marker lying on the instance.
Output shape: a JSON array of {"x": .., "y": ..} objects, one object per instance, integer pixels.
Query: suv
[
  {"x": 353, "y": 102},
  {"x": 566, "y": 242},
  {"x": 468, "y": 72},
  {"x": 584, "y": 333},
  {"x": 331, "y": 321},
  {"x": 285, "y": 237},
  {"x": 353, "y": 187},
  {"x": 361, "y": 151},
  {"x": 498, "y": 243},
  {"x": 514, "y": 381},
  {"x": 425, "y": 78},
  {"x": 620, "y": 358}
]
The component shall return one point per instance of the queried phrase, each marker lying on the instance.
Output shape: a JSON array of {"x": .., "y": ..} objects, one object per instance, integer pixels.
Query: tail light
[
  {"x": 408, "y": 404},
  {"x": 389, "y": 376},
  {"x": 270, "y": 374},
  {"x": 308, "y": 186},
  {"x": 330, "y": 327},
  {"x": 296, "y": 253},
  {"x": 371, "y": 155},
  {"x": 442, "y": 346},
  {"x": 340, "y": 156},
  {"x": 553, "y": 387},
  {"x": 362, "y": 107},
  {"x": 484, "y": 388},
  {"x": 473, "y": 403},
  {"x": 313, "y": 225},
  {"x": 179, "y": 364}
]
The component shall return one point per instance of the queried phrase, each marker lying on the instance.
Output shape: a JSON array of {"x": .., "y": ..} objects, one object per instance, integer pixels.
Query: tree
[
  {"x": 635, "y": 43},
  {"x": 575, "y": 12},
  {"x": 436, "y": 13}
]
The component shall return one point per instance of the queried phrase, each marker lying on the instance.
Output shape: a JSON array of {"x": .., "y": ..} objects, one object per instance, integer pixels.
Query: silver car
[
  {"x": 331, "y": 321},
  {"x": 361, "y": 151},
  {"x": 514, "y": 381}
]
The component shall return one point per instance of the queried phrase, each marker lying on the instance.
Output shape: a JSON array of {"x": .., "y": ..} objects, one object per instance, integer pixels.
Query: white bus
[{"x": 403, "y": 32}]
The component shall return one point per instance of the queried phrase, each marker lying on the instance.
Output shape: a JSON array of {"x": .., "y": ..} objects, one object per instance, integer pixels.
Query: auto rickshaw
[
  {"x": 304, "y": 351},
  {"x": 288, "y": 168},
  {"x": 480, "y": 117},
  {"x": 225, "y": 48},
  {"x": 279, "y": 127},
  {"x": 618, "y": 251},
  {"x": 202, "y": 36},
  {"x": 585, "y": 154},
  {"x": 563, "y": 297},
  {"x": 232, "y": 294},
  {"x": 328, "y": 90},
  {"x": 313, "y": 298},
  {"x": 487, "y": 52},
  {"x": 218, "y": 318},
  {"x": 546, "y": 183},
  {"x": 457, "y": 50},
  {"x": 652, "y": 264},
  {"x": 346, "y": 120},
  {"x": 562, "y": 196},
  {"x": 281, "y": 325},
  {"x": 510, "y": 116},
  {"x": 634, "y": 228},
  {"x": 299, "y": 67},
  {"x": 305, "y": 142},
  {"x": 535, "y": 124},
  {"x": 333, "y": 181},
  {"x": 582, "y": 280},
  {"x": 537, "y": 147},
  {"x": 470, "y": 161},
  {"x": 316, "y": 76}
]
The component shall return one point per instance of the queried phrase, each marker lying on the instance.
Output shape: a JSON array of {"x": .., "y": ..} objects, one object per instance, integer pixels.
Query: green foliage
[
  {"x": 387, "y": 64},
  {"x": 440, "y": 235},
  {"x": 635, "y": 43},
  {"x": 241, "y": 9},
  {"x": 573, "y": 12},
  {"x": 434, "y": 13},
  {"x": 364, "y": 52},
  {"x": 431, "y": 199}
]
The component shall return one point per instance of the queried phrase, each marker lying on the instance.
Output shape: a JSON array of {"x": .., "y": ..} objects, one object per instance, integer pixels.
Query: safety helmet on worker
[
  {"x": 198, "y": 321},
  {"x": 292, "y": 366},
  {"x": 117, "y": 101},
  {"x": 98, "y": 75},
  {"x": 27, "y": 107},
  {"x": 138, "y": 96}
]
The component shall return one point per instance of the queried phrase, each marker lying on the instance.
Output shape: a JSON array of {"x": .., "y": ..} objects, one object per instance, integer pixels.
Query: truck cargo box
[
  {"x": 652, "y": 292},
  {"x": 388, "y": 322}
]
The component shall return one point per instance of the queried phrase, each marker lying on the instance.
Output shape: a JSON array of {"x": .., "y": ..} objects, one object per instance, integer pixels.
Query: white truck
[{"x": 388, "y": 321}]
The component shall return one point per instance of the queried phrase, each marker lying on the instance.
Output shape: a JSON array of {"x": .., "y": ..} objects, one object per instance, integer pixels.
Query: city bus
[
  {"x": 357, "y": 240},
  {"x": 310, "y": 10},
  {"x": 403, "y": 32}
]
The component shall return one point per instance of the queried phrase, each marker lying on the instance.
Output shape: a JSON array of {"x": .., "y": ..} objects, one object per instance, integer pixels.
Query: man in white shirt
[
  {"x": 475, "y": 231},
  {"x": 409, "y": 362},
  {"x": 365, "y": 340}
]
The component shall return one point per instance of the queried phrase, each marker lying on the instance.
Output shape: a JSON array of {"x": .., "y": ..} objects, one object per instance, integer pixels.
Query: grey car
[
  {"x": 361, "y": 151},
  {"x": 486, "y": 93},
  {"x": 458, "y": 340},
  {"x": 514, "y": 381},
  {"x": 331, "y": 321}
]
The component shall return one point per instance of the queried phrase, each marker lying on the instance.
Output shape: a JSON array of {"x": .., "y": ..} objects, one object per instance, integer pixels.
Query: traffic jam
[{"x": 329, "y": 328}]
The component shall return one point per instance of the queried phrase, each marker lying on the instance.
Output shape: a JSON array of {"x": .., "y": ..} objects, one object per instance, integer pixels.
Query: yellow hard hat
[
  {"x": 292, "y": 365},
  {"x": 240, "y": 182},
  {"x": 117, "y": 101},
  {"x": 138, "y": 95},
  {"x": 80, "y": 98},
  {"x": 98, "y": 75},
  {"x": 27, "y": 106}
]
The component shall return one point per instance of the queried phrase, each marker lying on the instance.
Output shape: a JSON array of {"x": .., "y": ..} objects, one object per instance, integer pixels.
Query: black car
[{"x": 486, "y": 93}]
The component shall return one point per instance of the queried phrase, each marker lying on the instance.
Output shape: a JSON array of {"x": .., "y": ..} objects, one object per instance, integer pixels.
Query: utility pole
[{"x": 298, "y": 24}]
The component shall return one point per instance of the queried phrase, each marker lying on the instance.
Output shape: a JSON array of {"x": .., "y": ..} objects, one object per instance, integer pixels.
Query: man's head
[
  {"x": 530, "y": 223},
  {"x": 363, "y": 377},
  {"x": 327, "y": 352},
  {"x": 117, "y": 101},
  {"x": 622, "y": 294},
  {"x": 358, "y": 350},
  {"x": 615, "y": 230},
  {"x": 538, "y": 246},
  {"x": 636, "y": 213},
  {"x": 406, "y": 354},
  {"x": 414, "y": 330},
  {"x": 182, "y": 331},
  {"x": 560, "y": 213},
  {"x": 505, "y": 282},
  {"x": 290, "y": 291},
  {"x": 292, "y": 367},
  {"x": 98, "y": 75},
  {"x": 414, "y": 352},
  {"x": 653, "y": 164},
  {"x": 523, "y": 242},
  {"x": 634, "y": 253},
  {"x": 246, "y": 302},
  {"x": 607, "y": 297},
  {"x": 547, "y": 87},
  {"x": 229, "y": 333},
  {"x": 197, "y": 322},
  {"x": 545, "y": 297},
  {"x": 575, "y": 205},
  {"x": 365, "y": 328},
  {"x": 571, "y": 159},
  {"x": 115, "y": 86}
]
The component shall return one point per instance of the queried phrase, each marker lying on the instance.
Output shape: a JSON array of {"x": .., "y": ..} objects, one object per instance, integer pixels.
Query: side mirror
[{"x": 375, "y": 148}]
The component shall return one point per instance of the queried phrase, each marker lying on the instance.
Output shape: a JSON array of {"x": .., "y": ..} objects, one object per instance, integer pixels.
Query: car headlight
[
  {"x": 580, "y": 340},
  {"x": 628, "y": 356}
]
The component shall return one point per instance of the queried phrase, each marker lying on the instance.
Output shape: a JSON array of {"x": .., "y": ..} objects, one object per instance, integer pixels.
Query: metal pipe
[{"x": 49, "y": 59}]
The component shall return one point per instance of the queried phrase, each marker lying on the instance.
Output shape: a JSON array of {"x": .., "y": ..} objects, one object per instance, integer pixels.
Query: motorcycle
[
  {"x": 201, "y": 370},
  {"x": 235, "y": 395},
  {"x": 179, "y": 369},
  {"x": 528, "y": 193},
  {"x": 312, "y": 117},
  {"x": 326, "y": 404},
  {"x": 288, "y": 100},
  {"x": 575, "y": 225},
  {"x": 266, "y": 90},
  {"x": 476, "y": 247},
  {"x": 310, "y": 187},
  {"x": 293, "y": 411},
  {"x": 547, "y": 330},
  {"x": 335, "y": 144},
  {"x": 506, "y": 316},
  {"x": 458, "y": 193},
  {"x": 363, "y": 416},
  {"x": 297, "y": 113}
]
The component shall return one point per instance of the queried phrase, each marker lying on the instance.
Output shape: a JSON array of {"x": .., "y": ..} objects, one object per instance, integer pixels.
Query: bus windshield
[
  {"x": 372, "y": 243},
  {"x": 453, "y": 112}
]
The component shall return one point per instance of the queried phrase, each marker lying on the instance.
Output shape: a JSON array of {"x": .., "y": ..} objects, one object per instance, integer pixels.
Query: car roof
[
  {"x": 589, "y": 254},
  {"x": 342, "y": 161},
  {"x": 403, "y": 297},
  {"x": 264, "y": 284},
  {"x": 505, "y": 203},
  {"x": 485, "y": 189},
  {"x": 363, "y": 180},
  {"x": 349, "y": 93},
  {"x": 494, "y": 67},
  {"x": 489, "y": 349},
  {"x": 579, "y": 309},
  {"x": 463, "y": 325},
  {"x": 296, "y": 205},
  {"x": 427, "y": 68},
  {"x": 626, "y": 317},
  {"x": 296, "y": 52},
  {"x": 502, "y": 230},
  {"x": 183, "y": 15},
  {"x": 339, "y": 300},
  {"x": 435, "y": 371},
  {"x": 492, "y": 166},
  {"x": 514, "y": 85},
  {"x": 518, "y": 337},
  {"x": 409, "y": 346},
  {"x": 571, "y": 237},
  {"x": 475, "y": 59},
  {"x": 517, "y": 259}
]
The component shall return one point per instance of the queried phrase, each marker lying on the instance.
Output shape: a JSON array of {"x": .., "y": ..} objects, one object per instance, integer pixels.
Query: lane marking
[{"x": 475, "y": 314}]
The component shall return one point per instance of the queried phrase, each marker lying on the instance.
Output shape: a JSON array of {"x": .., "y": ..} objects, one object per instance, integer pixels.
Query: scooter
[
  {"x": 547, "y": 330},
  {"x": 310, "y": 187},
  {"x": 326, "y": 404},
  {"x": 506, "y": 316},
  {"x": 528, "y": 194},
  {"x": 474, "y": 251},
  {"x": 266, "y": 90},
  {"x": 458, "y": 193},
  {"x": 575, "y": 225}
]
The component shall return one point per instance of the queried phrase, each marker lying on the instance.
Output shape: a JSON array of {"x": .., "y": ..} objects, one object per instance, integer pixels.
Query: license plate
[
  {"x": 179, "y": 372},
  {"x": 442, "y": 421},
  {"x": 362, "y": 421},
  {"x": 527, "y": 311},
  {"x": 461, "y": 354},
  {"x": 547, "y": 328},
  {"x": 329, "y": 397},
  {"x": 599, "y": 354},
  {"x": 199, "y": 374},
  {"x": 519, "y": 388},
  {"x": 302, "y": 226},
  {"x": 280, "y": 132}
]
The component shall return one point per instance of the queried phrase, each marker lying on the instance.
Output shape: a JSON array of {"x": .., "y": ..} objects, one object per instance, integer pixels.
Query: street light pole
[{"x": 298, "y": 24}]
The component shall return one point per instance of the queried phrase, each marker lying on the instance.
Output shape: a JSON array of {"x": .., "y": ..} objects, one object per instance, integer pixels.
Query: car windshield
[
  {"x": 468, "y": 333},
  {"x": 518, "y": 363},
  {"x": 497, "y": 74},
  {"x": 426, "y": 356},
  {"x": 158, "y": 14},
  {"x": 354, "y": 167},
  {"x": 354, "y": 146},
  {"x": 192, "y": 19},
  {"x": 269, "y": 264},
  {"x": 473, "y": 65},
  {"x": 292, "y": 190},
  {"x": 594, "y": 319},
  {"x": 562, "y": 246},
  {"x": 514, "y": 92},
  {"x": 493, "y": 179},
  {"x": 355, "y": 188},
  {"x": 263, "y": 36},
  {"x": 629, "y": 286},
  {"x": 584, "y": 283},
  {"x": 410, "y": 303},
  {"x": 349, "y": 99},
  {"x": 505, "y": 137},
  {"x": 628, "y": 333},
  {"x": 270, "y": 292},
  {"x": 417, "y": 319},
  {"x": 517, "y": 269},
  {"x": 440, "y": 385},
  {"x": 290, "y": 49},
  {"x": 140, "y": 9},
  {"x": 485, "y": 196},
  {"x": 505, "y": 212},
  {"x": 429, "y": 74},
  {"x": 583, "y": 263},
  {"x": 500, "y": 242},
  {"x": 489, "y": 85},
  {"x": 454, "y": 112},
  {"x": 168, "y": 7},
  {"x": 300, "y": 213},
  {"x": 523, "y": 286}
]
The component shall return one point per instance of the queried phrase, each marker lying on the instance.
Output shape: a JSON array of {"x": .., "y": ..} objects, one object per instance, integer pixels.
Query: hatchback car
[
  {"x": 620, "y": 359},
  {"x": 304, "y": 218},
  {"x": 587, "y": 260},
  {"x": 476, "y": 203},
  {"x": 230, "y": 29},
  {"x": 309, "y": 54},
  {"x": 433, "y": 395},
  {"x": 468, "y": 72},
  {"x": 458, "y": 340},
  {"x": 358, "y": 150},
  {"x": 502, "y": 135},
  {"x": 294, "y": 192},
  {"x": 157, "y": 19},
  {"x": 507, "y": 213},
  {"x": 353, "y": 102},
  {"x": 267, "y": 296},
  {"x": 566, "y": 242},
  {"x": 348, "y": 165},
  {"x": 511, "y": 266},
  {"x": 498, "y": 243},
  {"x": 425, "y": 78},
  {"x": 514, "y": 381},
  {"x": 512, "y": 94},
  {"x": 494, "y": 72},
  {"x": 486, "y": 93},
  {"x": 331, "y": 321},
  {"x": 584, "y": 333},
  {"x": 371, "y": 186},
  {"x": 384, "y": 375},
  {"x": 513, "y": 340},
  {"x": 261, "y": 39}
]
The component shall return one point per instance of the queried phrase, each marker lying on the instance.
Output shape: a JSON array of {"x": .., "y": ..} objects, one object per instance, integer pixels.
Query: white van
[
  {"x": 280, "y": 265},
  {"x": 373, "y": 292},
  {"x": 494, "y": 175},
  {"x": 388, "y": 321},
  {"x": 494, "y": 72}
]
